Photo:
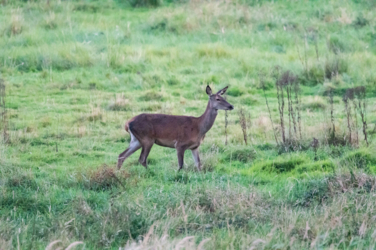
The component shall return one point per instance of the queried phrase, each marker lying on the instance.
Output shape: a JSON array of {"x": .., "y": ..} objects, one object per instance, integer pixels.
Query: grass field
[{"x": 74, "y": 71}]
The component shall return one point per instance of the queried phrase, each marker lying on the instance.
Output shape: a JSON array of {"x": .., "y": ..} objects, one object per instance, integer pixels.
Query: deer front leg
[
  {"x": 196, "y": 158},
  {"x": 180, "y": 152}
]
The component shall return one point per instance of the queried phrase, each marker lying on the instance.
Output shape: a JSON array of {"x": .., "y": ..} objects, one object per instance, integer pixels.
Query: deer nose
[{"x": 231, "y": 107}]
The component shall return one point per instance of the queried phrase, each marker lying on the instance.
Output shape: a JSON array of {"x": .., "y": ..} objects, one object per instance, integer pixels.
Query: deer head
[{"x": 217, "y": 101}]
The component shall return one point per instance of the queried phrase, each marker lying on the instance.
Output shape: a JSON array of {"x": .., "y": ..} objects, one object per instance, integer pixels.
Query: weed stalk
[
  {"x": 243, "y": 124},
  {"x": 267, "y": 105},
  {"x": 360, "y": 92},
  {"x": 3, "y": 111}
]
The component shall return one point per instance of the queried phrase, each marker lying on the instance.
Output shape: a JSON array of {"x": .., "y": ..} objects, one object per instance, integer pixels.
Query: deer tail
[{"x": 127, "y": 125}]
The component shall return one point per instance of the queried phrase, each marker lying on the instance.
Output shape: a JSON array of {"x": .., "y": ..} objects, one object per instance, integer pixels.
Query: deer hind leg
[
  {"x": 146, "y": 147},
  {"x": 196, "y": 158},
  {"x": 134, "y": 145}
]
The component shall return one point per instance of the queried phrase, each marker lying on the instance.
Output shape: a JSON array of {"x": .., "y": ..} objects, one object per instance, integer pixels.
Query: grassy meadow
[{"x": 72, "y": 72}]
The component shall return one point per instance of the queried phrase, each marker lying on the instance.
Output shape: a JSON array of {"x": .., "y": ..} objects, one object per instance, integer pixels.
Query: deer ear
[
  {"x": 222, "y": 91},
  {"x": 208, "y": 90}
]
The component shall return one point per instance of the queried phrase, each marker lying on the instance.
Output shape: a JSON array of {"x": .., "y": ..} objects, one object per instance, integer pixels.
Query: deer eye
[{"x": 217, "y": 99}]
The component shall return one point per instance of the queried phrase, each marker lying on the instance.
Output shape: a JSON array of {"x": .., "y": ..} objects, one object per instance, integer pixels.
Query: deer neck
[{"x": 207, "y": 119}]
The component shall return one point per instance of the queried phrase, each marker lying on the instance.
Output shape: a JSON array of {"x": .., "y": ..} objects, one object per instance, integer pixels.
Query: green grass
[{"x": 75, "y": 71}]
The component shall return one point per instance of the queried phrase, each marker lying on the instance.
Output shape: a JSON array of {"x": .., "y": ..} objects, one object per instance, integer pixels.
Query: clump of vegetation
[
  {"x": 120, "y": 103},
  {"x": 281, "y": 165},
  {"x": 360, "y": 21},
  {"x": 50, "y": 21},
  {"x": 335, "y": 67},
  {"x": 96, "y": 114},
  {"x": 235, "y": 91},
  {"x": 217, "y": 51},
  {"x": 336, "y": 44},
  {"x": 362, "y": 159},
  {"x": 16, "y": 23},
  {"x": 152, "y": 96},
  {"x": 105, "y": 178},
  {"x": 316, "y": 104},
  {"x": 145, "y": 3},
  {"x": 245, "y": 155}
]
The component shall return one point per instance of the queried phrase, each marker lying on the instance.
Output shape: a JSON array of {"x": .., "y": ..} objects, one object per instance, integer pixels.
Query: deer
[{"x": 179, "y": 132}]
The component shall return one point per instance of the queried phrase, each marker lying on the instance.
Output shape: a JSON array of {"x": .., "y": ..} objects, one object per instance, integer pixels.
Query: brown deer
[{"x": 180, "y": 132}]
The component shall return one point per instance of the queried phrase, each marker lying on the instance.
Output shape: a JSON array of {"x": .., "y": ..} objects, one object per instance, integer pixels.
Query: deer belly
[{"x": 165, "y": 143}]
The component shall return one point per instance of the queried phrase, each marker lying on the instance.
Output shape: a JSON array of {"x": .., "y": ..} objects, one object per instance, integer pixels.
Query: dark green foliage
[
  {"x": 87, "y": 7},
  {"x": 281, "y": 166},
  {"x": 360, "y": 21},
  {"x": 309, "y": 193},
  {"x": 144, "y": 3},
  {"x": 173, "y": 81}
]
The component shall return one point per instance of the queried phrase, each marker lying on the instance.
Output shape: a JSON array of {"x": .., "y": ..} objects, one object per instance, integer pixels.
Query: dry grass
[
  {"x": 162, "y": 243},
  {"x": 120, "y": 103},
  {"x": 17, "y": 22},
  {"x": 96, "y": 114},
  {"x": 54, "y": 245},
  {"x": 106, "y": 177}
]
